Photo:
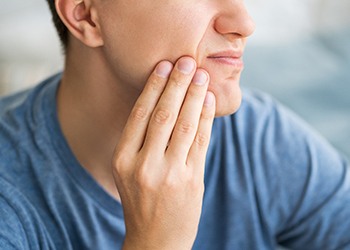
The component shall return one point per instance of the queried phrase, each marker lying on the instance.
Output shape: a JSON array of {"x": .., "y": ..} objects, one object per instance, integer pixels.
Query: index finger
[{"x": 137, "y": 123}]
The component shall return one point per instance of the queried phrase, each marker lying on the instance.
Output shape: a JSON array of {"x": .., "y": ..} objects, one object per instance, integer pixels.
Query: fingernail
[
  {"x": 163, "y": 69},
  {"x": 209, "y": 99},
  {"x": 200, "y": 78},
  {"x": 186, "y": 65}
]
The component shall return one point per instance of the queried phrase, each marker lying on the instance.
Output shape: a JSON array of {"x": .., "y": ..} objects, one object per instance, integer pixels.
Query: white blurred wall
[
  {"x": 285, "y": 21},
  {"x": 29, "y": 47}
]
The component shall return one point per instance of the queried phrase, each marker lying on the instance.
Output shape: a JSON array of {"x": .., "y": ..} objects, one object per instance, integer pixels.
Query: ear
[{"x": 80, "y": 20}]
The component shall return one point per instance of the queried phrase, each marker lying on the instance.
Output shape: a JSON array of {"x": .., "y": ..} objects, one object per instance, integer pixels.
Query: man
[{"x": 114, "y": 153}]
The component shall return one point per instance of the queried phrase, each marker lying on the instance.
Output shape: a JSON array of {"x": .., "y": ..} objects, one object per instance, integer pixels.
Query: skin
[
  {"x": 126, "y": 96},
  {"x": 206, "y": 27}
]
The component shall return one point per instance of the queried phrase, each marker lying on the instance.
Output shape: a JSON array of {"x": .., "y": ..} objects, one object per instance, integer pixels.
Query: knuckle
[
  {"x": 194, "y": 93},
  {"x": 201, "y": 139},
  {"x": 157, "y": 84},
  {"x": 195, "y": 183},
  {"x": 172, "y": 182},
  {"x": 139, "y": 113},
  {"x": 207, "y": 114},
  {"x": 144, "y": 178},
  {"x": 119, "y": 164},
  {"x": 184, "y": 127},
  {"x": 162, "y": 116},
  {"x": 178, "y": 80}
]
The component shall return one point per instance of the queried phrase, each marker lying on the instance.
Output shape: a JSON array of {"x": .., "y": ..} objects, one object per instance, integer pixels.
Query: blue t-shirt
[{"x": 269, "y": 181}]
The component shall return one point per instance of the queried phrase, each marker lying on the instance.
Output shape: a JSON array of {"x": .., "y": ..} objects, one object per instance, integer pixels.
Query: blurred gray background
[{"x": 300, "y": 53}]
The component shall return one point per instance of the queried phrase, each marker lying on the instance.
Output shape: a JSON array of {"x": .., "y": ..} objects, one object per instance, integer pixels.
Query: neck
[{"x": 93, "y": 107}]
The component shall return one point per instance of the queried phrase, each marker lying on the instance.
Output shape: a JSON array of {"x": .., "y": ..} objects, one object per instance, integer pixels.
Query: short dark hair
[{"x": 60, "y": 27}]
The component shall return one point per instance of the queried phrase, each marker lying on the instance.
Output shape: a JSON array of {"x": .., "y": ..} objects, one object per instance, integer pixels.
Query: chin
[
  {"x": 227, "y": 93},
  {"x": 227, "y": 110},
  {"x": 227, "y": 105}
]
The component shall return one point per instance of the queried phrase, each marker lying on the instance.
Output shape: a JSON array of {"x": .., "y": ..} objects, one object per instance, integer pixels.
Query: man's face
[{"x": 138, "y": 34}]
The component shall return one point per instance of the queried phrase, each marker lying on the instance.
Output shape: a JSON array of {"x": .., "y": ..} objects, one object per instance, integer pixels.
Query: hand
[{"x": 158, "y": 165}]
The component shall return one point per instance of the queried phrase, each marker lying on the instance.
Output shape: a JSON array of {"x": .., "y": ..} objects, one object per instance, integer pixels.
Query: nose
[{"x": 233, "y": 20}]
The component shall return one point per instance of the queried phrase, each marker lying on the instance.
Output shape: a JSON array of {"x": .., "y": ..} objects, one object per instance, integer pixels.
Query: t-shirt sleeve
[
  {"x": 302, "y": 183},
  {"x": 12, "y": 234}
]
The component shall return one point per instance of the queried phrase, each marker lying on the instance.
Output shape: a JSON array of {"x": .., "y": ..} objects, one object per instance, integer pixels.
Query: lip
[{"x": 228, "y": 57}]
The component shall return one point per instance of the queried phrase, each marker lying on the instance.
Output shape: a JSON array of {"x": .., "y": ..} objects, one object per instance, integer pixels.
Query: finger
[
  {"x": 198, "y": 150},
  {"x": 187, "y": 122},
  {"x": 135, "y": 129},
  {"x": 165, "y": 113}
]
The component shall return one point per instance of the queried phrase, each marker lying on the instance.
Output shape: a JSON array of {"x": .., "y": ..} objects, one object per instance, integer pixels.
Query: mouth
[{"x": 229, "y": 57}]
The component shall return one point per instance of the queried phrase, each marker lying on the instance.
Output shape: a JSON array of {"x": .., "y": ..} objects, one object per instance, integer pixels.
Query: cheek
[
  {"x": 165, "y": 36},
  {"x": 185, "y": 36},
  {"x": 135, "y": 44}
]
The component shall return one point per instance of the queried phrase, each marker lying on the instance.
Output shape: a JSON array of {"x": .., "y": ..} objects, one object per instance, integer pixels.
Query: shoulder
[
  {"x": 263, "y": 127},
  {"x": 263, "y": 119},
  {"x": 22, "y": 156},
  {"x": 279, "y": 127},
  {"x": 21, "y": 121},
  {"x": 14, "y": 132},
  {"x": 21, "y": 227},
  {"x": 292, "y": 169},
  {"x": 12, "y": 230},
  {"x": 21, "y": 128},
  {"x": 258, "y": 108}
]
